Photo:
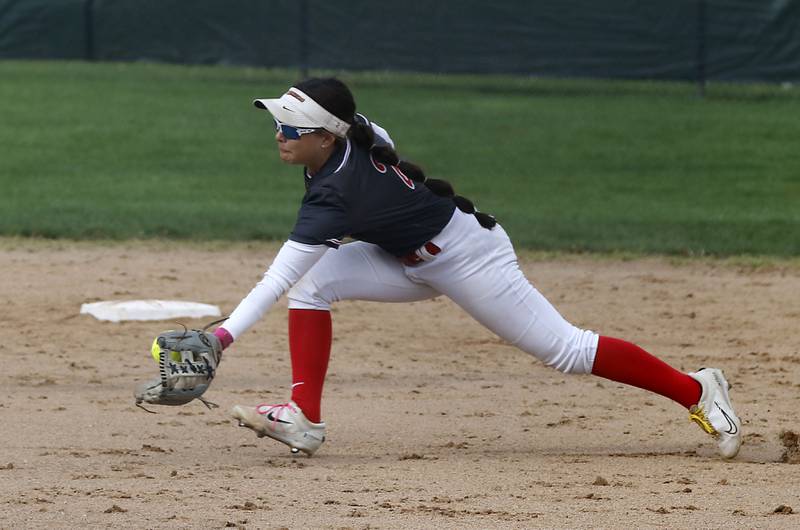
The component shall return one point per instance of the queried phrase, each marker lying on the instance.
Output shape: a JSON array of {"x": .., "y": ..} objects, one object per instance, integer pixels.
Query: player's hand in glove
[{"x": 187, "y": 363}]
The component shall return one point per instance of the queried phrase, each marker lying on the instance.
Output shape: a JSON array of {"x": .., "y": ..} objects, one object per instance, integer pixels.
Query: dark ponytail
[
  {"x": 337, "y": 99},
  {"x": 362, "y": 134}
]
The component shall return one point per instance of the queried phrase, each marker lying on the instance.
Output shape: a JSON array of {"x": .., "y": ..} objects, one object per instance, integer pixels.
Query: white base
[{"x": 122, "y": 310}]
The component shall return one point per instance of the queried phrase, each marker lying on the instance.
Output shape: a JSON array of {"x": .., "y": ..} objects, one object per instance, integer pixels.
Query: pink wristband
[{"x": 224, "y": 337}]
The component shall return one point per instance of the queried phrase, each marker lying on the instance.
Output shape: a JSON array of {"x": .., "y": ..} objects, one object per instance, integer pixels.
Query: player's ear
[{"x": 328, "y": 139}]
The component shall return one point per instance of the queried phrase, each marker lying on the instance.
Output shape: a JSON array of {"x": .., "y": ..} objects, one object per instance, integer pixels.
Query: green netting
[{"x": 682, "y": 39}]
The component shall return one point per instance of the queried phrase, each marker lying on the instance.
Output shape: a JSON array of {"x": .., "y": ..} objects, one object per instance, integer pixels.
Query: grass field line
[{"x": 744, "y": 263}]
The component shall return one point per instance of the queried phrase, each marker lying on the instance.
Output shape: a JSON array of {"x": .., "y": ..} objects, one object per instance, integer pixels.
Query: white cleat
[
  {"x": 714, "y": 413},
  {"x": 284, "y": 422}
]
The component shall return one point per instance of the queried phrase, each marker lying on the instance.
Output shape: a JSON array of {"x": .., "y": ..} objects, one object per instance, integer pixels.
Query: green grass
[{"x": 142, "y": 150}]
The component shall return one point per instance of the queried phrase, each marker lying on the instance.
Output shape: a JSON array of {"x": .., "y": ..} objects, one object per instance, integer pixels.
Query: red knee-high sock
[
  {"x": 627, "y": 363},
  {"x": 310, "y": 334}
]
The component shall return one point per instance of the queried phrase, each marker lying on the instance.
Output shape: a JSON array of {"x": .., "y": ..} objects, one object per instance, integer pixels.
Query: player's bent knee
[
  {"x": 306, "y": 294},
  {"x": 574, "y": 355}
]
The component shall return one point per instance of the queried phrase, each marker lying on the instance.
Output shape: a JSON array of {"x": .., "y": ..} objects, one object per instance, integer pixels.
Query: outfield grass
[{"x": 143, "y": 150}]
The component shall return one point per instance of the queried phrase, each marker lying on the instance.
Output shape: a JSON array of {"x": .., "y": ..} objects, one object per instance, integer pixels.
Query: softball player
[{"x": 414, "y": 240}]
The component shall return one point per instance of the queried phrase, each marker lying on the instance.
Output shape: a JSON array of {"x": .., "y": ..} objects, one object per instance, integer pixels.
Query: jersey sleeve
[
  {"x": 322, "y": 219},
  {"x": 382, "y": 134}
]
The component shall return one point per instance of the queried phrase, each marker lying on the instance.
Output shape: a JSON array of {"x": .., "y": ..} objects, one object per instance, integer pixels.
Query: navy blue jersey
[{"x": 352, "y": 195}]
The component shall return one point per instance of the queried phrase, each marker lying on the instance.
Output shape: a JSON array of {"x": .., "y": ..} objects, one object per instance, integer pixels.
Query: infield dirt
[{"x": 432, "y": 421}]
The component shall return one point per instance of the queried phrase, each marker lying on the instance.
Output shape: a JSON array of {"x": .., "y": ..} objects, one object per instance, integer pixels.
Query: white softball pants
[{"x": 476, "y": 268}]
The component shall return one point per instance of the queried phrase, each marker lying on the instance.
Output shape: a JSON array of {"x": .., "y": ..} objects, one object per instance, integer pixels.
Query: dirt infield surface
[{"x": 432, "y": 421}]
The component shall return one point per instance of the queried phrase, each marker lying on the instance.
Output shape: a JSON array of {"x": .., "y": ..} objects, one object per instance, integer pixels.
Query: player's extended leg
[
  {"x": 478, "y": 270},
  {"x": 357, "y": 271},
  {"x": 704, "y": 393}
]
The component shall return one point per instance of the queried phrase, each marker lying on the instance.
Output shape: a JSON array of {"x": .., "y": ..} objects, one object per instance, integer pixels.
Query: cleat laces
[{"x": 265, "y": 410}]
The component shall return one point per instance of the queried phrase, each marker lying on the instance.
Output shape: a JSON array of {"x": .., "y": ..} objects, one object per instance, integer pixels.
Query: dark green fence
[{"x": 680, "y": 39}]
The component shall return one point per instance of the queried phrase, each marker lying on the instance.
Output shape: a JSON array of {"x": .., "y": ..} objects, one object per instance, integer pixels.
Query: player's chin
[{"x": 286, "y": 156}]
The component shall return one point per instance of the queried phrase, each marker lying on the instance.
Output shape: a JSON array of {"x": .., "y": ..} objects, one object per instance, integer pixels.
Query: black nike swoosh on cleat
[
  {"x": 271, "y": 417},
  {"x": 732, "y": 428}
]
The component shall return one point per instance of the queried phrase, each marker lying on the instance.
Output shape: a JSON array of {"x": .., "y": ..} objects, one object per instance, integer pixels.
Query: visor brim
[{"x": 283, "y": 111}]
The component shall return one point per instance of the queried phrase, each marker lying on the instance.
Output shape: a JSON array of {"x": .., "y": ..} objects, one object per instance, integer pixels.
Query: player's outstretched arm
[{"x": 292, "y": 262}]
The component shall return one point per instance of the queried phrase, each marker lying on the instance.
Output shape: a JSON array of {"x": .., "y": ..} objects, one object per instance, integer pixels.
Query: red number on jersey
[
  {"x": 377, "y": 165},
  {"x": 382, "y": 168},
  {"x": 407, "y": 181}
]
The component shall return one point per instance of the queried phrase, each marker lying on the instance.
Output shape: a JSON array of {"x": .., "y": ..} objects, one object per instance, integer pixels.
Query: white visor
[{"x": 297, "y": 109}]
